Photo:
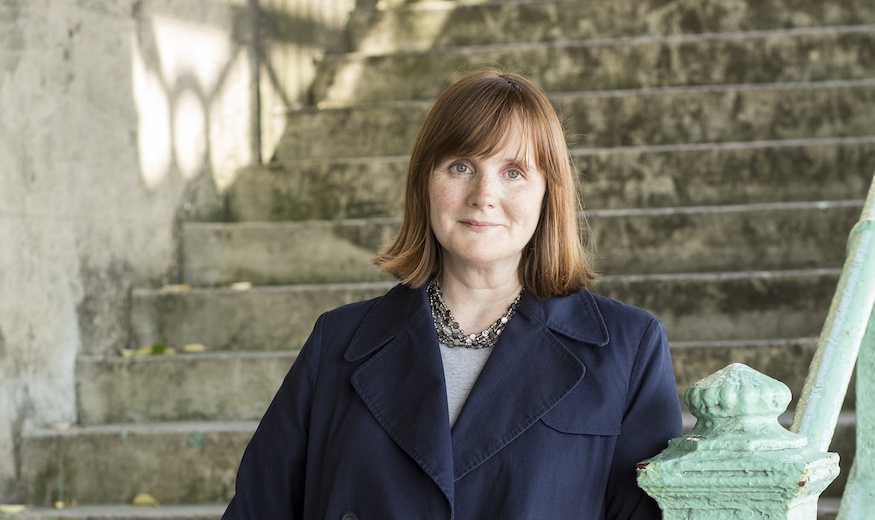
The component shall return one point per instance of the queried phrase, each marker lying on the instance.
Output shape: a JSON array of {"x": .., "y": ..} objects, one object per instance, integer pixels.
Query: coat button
[{"x": 349, "y": 515}]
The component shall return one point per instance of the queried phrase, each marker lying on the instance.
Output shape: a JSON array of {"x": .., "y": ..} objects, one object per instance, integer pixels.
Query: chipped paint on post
[{"x": 738, "y": 462}]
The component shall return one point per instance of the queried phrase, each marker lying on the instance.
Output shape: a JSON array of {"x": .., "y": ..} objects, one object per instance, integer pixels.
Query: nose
[{"x": 484, "y": 191}]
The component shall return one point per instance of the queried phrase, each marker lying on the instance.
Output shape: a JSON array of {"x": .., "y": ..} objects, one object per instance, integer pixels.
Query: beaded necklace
[{"x": 451, "y": 334}]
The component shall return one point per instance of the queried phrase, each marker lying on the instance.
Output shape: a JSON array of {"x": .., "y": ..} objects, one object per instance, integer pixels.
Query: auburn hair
[{"x": 472, "y": 117}]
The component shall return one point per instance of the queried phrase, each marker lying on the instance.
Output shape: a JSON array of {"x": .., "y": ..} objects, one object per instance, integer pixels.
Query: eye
[
  {"x": 514, "y": 174},
  {"x": 459, "y": 168}
]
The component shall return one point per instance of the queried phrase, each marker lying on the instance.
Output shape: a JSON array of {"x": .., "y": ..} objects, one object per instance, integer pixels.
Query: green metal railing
[
  {"x": 738, "y": 462},
  {"x": 849, "y": 336},
  {"x": 843, "y": 334}
]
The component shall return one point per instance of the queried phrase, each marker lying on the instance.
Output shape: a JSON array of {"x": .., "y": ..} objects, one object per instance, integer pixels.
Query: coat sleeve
[
  {"x": 652, "y": 417},
  {"x": 270, "y": 479}
]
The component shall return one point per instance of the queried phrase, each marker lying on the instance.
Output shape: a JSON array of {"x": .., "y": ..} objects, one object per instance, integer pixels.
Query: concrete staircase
[{"x": 725, "y": 149}]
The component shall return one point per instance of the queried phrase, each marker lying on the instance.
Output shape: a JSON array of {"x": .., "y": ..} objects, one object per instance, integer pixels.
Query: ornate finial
[
  {"x": 738, "y": 462},
  {"x": 738, "y": 405}
]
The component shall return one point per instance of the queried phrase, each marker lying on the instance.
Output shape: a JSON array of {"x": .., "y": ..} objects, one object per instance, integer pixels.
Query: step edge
[{"x": 620, "y": 41}]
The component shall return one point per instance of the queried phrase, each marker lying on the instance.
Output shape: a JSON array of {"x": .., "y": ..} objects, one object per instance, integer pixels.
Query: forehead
[
  {"x": 513, "y": 141},
  {"x": 514, "y": 146}
]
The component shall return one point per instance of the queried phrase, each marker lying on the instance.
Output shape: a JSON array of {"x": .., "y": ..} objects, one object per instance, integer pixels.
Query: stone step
[
  {"x": 180, "y": 463},
  {"x": 731, "y": 306},
  {"x": 694, "y": 307},
  {"x": 612, "y": 178},
  {"x": 274, "y": 253},
  {"x": 125, "y": 512},
  {"x": 177, "y": 463},
  {"x": 440, "y": 24},
  {"x": 641, "y": 117},
  {"x": 770, "y": 56},
  {"x": 226, "y": 319},
  {"x": 210, "y": 386},
  {"x": 239, "y": 386},
  {"x": 715, "y": 238}
]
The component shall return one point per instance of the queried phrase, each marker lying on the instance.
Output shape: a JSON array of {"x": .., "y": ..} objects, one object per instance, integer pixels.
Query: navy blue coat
[{"x": 577, "y": 391}]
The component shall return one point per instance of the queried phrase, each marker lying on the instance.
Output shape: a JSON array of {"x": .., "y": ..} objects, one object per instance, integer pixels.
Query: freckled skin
[{"x": 484, "y": 210}]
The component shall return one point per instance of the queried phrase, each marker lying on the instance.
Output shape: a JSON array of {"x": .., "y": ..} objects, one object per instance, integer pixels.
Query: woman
[{"x": 393, "y": 411}]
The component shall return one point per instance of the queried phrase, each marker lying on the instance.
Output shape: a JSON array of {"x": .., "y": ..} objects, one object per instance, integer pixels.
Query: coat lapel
[
  {"x": 530, "y": 371},
  {"x": 403, "y": 383},
  {"x": 527, "y": 374}
]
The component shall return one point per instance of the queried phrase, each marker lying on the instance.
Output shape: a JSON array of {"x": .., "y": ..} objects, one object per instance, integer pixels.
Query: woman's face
[{"x": 484, "y": 210}]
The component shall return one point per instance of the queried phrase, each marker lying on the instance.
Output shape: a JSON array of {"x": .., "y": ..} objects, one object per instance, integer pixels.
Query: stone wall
[{"x": 118, "y": 120}]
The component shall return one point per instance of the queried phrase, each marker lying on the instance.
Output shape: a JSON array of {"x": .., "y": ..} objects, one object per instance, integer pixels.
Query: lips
[{"x": 478, "y": 225}]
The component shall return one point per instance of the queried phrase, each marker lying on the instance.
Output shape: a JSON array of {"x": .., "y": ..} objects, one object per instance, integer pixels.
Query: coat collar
[
  {"x": 576, "y": 317},
  {"x": 529, "y": 371}
]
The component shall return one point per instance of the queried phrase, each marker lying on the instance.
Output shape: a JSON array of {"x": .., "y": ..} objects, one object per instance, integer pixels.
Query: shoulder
[
  {"x": 590, "y": 318},
  {"x": 371, "y": 320},
  {"x": 393, "y": 295},
  {"x": 620, "y": 313},
  {"x": 630, "y": 328}
]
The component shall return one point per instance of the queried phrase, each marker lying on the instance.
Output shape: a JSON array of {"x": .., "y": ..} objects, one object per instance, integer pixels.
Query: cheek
[
  {"x": 436, "y": 207},
  {"x": 440, "y": 199},
  {"x": 529, "y": 209}
]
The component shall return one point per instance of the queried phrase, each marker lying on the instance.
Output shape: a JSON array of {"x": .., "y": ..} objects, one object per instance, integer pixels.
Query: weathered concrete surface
[
  {"x": 733, "y": 173},
  {"x": 211, "y": 386},
  {"x": 320, "y": 190},
  {"x": 641, "y": 177},
  {"x": 119, "y": 512},
  {"x": 277, "y": 253},
  {"x": 728, "y": 306},
  {"x": 774, "y": 56},
  {"x": 426, "y": 25},
  {"x": 713, "y": 238},
  {"x": 111, "y": 464},
  {"x": 110, "y": 131},
  {"x": 261, "y": 318},
  {"x": 701, "y": 307},
  {"x": 648, "y": 117}
]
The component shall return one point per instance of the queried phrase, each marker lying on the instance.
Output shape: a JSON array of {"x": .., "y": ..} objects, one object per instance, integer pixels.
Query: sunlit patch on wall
[
  {"x": 153, "y": 126},
  {"x": 175, "y": 83},
  {"x": 189, "y": 133},
  {"x": 187, "y": 49}
]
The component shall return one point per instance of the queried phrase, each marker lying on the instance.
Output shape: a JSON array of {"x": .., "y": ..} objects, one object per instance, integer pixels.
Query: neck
[{"x": 477, "y": 301}]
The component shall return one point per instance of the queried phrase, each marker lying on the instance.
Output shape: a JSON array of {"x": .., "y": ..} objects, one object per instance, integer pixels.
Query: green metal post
[
  {"x": 838, "y": 347},
  {"x": 738, "y": 462},
  {"x": 858, "y": 500}
]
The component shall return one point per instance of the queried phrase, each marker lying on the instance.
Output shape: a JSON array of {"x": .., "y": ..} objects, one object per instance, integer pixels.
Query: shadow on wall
[
  {"x": 208, "y": 101},
  {"x": 190, "y": 84}
]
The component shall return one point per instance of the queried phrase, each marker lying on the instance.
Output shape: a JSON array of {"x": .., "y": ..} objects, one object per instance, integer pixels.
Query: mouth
[{"x": 478, "y": 225}]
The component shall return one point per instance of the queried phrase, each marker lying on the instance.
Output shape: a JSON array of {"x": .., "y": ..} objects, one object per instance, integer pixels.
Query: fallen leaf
[
  {"x": 145, "y": 499},
  {"x": 158, "y": 349},
  {"x": 241, "y": 286},
  {"x": 12, "y": 509},
  {"x": 194, "y": 347}
]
